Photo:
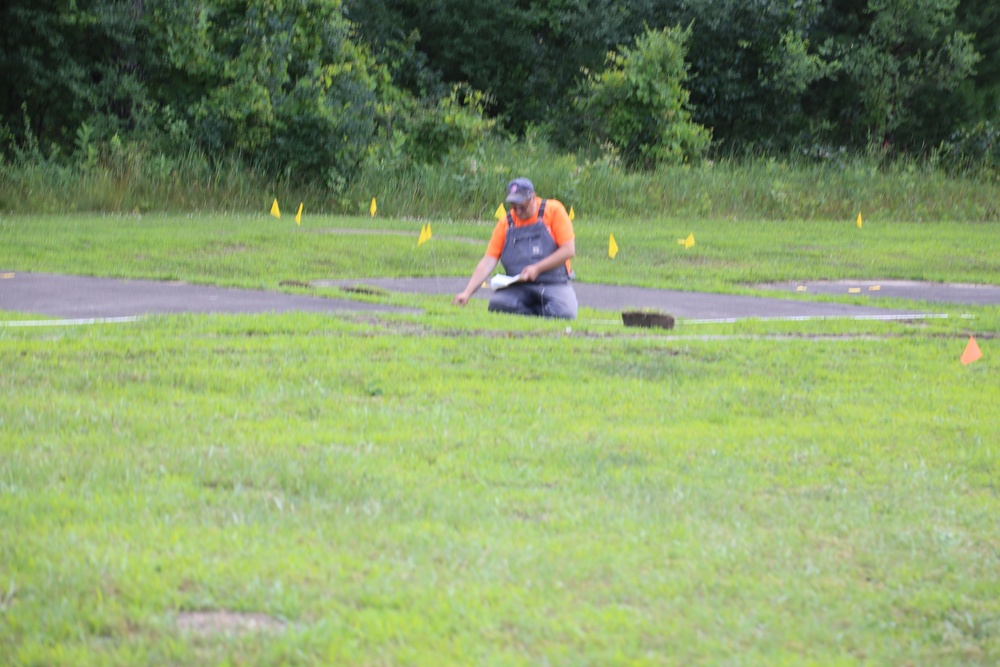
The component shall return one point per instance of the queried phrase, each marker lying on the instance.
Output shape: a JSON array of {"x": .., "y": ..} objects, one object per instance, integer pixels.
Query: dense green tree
[
  {"x": 390, "y": 31},
  {"x": 67, "y": 63},
  {"x": 751, "y": 61},
  {"x": 898, "y": 61},
  {"x": 315, "y": 86},
  {"x": 525, "y": 54},
  {"x": 976, "y": 99},
  {"x": 775, "y": 73},
  {"x": 278, "y": 81}
]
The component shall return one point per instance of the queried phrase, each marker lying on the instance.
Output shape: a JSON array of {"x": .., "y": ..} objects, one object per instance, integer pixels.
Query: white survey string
[{"x": 70, "y": 323}]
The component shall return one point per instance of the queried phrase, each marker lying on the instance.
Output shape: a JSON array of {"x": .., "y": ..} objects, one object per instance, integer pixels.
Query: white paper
[{"x": 500, "y": 281}]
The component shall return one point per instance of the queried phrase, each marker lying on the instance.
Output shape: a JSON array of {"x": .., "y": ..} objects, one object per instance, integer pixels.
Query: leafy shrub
[
  {"x": 638, "y": 107},
  {"x": 278, "y": 82},
  {"x": 455, "y": 123},
  {"x": 972, "y": 148}
]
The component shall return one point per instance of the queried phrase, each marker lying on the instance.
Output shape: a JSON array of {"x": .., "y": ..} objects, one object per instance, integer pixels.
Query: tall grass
[
  {"x": 137, "y": 182},
  {"x": 734, "y": 188},
  {"x": 469, "y": 186}
]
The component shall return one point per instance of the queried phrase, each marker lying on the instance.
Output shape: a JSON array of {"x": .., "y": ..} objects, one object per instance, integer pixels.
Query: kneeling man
[{"x": 534, "y": 242}]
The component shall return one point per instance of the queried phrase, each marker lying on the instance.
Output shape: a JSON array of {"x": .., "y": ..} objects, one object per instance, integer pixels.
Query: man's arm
[
  {"x": 483, "y": 269},
  {"x": 559, "y": 257}
]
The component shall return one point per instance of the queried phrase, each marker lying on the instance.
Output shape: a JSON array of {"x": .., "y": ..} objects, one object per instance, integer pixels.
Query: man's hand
[
  {"x": 530, "y": 273},
  {"x": 483, "y": 269}
]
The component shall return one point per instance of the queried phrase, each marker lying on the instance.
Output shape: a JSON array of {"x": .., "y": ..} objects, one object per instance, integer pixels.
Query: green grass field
[
  {"x": 462, "y": 488},
  {"x": 261, "y": 251}
]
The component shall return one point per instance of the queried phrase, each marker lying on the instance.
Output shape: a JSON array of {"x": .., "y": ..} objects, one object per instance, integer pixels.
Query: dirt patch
[
  {"x": 648, "y": 319},
  {"x": 226, "y": 622},
  {"x": 364, "y": 289}
]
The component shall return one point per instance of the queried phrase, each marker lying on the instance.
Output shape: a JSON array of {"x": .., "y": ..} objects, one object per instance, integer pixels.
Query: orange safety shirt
[{"x": 556, "y": 221}]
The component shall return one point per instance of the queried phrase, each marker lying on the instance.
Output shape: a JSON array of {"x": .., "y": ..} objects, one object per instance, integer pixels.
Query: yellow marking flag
[
  {"x": 373, "y": 208},
  {"x": 500, "y": 212},
  {"x": 688, "y": 242},
  {"x": 854, "y": 290},
  {"x": 572, "y": 215},
  {"x": 874, "y": 288},
  {"x": 298, "y": 216},
  {"x": 612, "y": 247},
  {"x": 275, "y": 211},
  {"x": 801, "y": 288},
  {"x": 425, "y": 234},
  {"x": 972, "y": 352},
  {"x": 860, "y": 222}
]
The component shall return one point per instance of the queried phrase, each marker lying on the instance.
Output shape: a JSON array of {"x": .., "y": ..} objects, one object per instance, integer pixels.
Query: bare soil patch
[{"x": 648, "y": 319}]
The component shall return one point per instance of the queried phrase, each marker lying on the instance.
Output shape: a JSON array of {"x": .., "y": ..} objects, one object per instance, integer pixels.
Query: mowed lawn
[{"x": 461, "y": 488}]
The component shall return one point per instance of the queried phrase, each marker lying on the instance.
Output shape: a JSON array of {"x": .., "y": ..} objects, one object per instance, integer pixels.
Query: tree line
[{"x": 319, "y": 86}]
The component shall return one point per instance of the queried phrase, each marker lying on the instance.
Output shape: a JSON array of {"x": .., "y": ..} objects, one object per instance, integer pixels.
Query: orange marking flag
[{"x": 972, "y": 352}]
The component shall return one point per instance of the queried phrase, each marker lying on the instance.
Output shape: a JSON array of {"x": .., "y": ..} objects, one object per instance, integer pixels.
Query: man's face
[{"x": 525, "y": 210}]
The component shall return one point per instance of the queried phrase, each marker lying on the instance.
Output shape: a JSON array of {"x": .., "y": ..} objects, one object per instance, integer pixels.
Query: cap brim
[{"x": 518, "y": 199}]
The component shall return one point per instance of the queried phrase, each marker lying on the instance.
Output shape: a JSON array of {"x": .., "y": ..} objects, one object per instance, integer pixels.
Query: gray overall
[{"x": 550, "y": 295}]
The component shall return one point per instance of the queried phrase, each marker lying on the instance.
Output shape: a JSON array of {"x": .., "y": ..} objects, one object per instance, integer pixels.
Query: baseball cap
[{"x": 520, "y": 191}]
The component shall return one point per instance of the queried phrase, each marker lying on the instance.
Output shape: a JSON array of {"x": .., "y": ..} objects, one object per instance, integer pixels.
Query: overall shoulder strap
[{"x": 510, "y": 220}]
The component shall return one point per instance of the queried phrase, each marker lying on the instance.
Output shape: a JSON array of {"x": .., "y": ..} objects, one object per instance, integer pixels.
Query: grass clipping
[{"x": 648, "y": 318}]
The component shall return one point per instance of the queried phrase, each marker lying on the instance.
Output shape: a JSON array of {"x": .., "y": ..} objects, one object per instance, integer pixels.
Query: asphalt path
[
  {"x": 981, "y": 295},
  {"x": 88, "y": 297},
  {"x": 81, "y": 297}
]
